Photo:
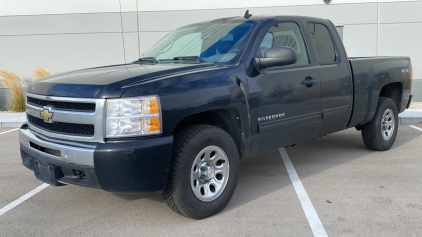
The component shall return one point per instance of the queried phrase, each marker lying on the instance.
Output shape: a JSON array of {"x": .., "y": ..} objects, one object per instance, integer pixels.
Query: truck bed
[{"x": 370, "y": 75}]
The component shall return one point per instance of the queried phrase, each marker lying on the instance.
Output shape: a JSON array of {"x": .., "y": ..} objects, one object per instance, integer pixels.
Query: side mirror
[{"x": 277, "y": 56}]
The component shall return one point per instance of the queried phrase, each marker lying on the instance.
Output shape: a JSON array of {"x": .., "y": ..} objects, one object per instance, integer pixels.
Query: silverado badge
[
  {"x": 46, "y": 115},
  {"x": 265, "y": 118}
]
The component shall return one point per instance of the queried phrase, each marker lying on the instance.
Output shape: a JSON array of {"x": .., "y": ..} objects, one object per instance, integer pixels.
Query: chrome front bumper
[{"x": 70, "y": 154}]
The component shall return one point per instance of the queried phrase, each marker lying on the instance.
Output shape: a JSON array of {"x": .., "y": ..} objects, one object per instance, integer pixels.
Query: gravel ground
[{"x": 416, "y": 105}]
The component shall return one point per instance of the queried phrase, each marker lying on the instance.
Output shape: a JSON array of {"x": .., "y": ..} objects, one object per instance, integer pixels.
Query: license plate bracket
[{"x": 47, "y": 173}]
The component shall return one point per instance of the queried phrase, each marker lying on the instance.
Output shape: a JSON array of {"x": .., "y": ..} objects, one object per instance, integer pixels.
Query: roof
[{"x": 256, "y": 18}]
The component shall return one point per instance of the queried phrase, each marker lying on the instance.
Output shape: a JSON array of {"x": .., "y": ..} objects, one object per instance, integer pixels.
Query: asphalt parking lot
[{"x": 354, "y": 191}]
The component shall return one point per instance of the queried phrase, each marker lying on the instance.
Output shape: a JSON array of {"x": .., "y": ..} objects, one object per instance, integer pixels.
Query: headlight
[{"x": 133, "y": 117}]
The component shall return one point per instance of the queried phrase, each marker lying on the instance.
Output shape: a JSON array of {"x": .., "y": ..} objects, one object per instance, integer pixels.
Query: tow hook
[{"x": 79, "y": 174}]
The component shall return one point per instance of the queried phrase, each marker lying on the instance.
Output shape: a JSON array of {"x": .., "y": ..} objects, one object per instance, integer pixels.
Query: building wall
[{"x": 73, "y": 34}]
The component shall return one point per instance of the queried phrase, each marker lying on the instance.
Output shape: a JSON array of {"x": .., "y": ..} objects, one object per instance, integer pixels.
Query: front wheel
[
  {"x": 204, "y": 171},
  {"x": 381, "y": 132}
]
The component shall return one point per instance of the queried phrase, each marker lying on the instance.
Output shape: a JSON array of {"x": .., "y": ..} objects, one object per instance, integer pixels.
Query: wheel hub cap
[
  {"x": 206, "y": 172},
  {"x": 209, "y": 173},
  {"x": 387, "y": 125}
]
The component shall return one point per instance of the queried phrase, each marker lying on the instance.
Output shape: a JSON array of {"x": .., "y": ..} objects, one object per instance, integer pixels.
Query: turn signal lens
[
  {"x": 154, "y": 125},
  {"x": 411, "y": 72},
  {"x": 153, "y": 106},
  {"x": 411, "y": 76},
  {"x": 151, "y": 125}
]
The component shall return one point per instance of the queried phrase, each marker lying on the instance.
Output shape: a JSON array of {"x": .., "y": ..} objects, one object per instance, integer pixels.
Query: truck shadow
[
  {"x": 156, "y": 196},
  {"x": 265, "y": 173}
]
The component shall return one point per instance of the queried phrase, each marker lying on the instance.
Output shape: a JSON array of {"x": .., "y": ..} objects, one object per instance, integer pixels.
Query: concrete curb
[
  {"x": 410, "y": 120},
  {"x": 410, "y": 116},
  {"x": 11, "y": 124},
  {"x": 12, "y": 120}
]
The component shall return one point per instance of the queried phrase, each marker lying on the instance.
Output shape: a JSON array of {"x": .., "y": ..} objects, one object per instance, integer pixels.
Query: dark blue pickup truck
[{"x": 179, "y": 119}]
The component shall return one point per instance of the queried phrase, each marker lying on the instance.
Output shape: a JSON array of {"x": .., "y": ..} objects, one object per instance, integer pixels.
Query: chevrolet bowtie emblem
[{"x": 46, "y": 115}]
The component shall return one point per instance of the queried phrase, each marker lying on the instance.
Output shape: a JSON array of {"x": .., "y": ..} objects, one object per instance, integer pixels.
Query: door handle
[{"x": 309, "y": 81}]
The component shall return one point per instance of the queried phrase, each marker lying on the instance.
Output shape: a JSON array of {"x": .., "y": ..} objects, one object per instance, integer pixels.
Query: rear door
[
  {"x": 284, "y": 110},
  {"x": 335, "y": 77}
]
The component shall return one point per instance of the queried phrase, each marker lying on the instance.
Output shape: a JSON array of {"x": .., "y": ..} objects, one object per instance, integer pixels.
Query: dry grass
[
  {"x": 14, "y": 83},
  {"x": 416, "y": 105},
  {"x": 40, "y": 73}
]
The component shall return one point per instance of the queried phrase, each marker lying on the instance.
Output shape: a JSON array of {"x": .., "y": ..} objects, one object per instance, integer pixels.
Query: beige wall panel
[
  {"x": 61, "y": 53},
  {"x": 170, "y": 20},
  {"x": 68, "y": 23},
  {"x": 395, "y": 12},
  {"x": 403, "y": 40},
  {"x": 360, "y": 40}
]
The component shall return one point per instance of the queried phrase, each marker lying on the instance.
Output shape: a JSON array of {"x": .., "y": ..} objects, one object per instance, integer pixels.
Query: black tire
[
  {"x": 178, "y": 193},
  {"x": 372, "y": 134}
]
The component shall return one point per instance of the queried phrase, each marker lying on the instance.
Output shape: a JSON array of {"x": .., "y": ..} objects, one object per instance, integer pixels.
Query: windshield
[{"x": 211, "y": 42}]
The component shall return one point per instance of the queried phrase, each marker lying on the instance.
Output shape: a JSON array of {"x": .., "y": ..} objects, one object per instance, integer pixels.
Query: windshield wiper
[
  {"x": 198, "y": 59},
  {"x": 147, "y": 59}
]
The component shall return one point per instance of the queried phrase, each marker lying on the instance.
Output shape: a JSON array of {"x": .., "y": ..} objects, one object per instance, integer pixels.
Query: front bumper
[{"x": 117, "y": 166}]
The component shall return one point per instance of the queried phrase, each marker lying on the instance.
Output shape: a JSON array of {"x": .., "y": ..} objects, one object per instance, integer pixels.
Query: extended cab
[{"x": 179, "y": 119}]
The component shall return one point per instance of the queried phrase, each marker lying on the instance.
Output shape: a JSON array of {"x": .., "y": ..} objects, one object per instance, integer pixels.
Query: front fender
[{"x": 185, "y": 95}]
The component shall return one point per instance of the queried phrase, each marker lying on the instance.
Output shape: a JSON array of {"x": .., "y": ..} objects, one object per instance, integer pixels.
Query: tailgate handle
[{"x": 309, "y": 81}]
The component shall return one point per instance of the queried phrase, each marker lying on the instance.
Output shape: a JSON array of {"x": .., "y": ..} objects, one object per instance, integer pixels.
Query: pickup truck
[{"x": 179, "y": 119}]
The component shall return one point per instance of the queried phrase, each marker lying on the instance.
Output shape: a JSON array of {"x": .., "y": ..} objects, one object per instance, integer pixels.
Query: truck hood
[{"x": 109, "y": 81}]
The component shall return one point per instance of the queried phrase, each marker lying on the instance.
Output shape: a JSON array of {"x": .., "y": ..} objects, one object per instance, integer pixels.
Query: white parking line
[
  {"x": 308, "y": 208},
  {"x": 420, "y": 129},
  {"x": 9, "y": 131},
  {"x": 22, "y": 199}
]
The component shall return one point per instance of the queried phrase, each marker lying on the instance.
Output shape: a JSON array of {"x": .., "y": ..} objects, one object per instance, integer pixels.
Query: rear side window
[{"x": 323, "y": 43}]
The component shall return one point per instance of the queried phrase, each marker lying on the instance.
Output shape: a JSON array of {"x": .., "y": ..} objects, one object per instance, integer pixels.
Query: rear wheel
[
  {"x": 203, "y": 174},
  {"x": 381, "y": 132}
]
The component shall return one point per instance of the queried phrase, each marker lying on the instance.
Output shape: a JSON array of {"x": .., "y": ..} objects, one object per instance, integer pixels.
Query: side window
[
  {"x": 285, "y": 35},
  {"x": 323, "y": 43}
]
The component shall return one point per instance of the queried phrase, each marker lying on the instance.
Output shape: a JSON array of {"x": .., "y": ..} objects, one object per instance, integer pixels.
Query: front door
[{"x": 284, "y": 110}]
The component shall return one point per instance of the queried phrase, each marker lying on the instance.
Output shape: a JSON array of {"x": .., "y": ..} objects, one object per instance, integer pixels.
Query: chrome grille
[
  {"x": 85, "y": 107},
  {"x": 74, "y": 119}
]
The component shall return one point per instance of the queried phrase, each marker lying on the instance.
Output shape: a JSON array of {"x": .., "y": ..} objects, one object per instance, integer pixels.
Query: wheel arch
[
  {"x": 394, "y": 91},
  {"x": 227, "y": 119}
]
